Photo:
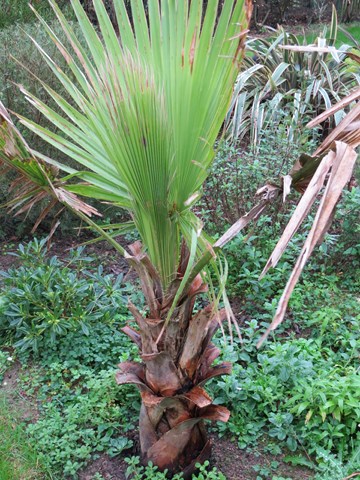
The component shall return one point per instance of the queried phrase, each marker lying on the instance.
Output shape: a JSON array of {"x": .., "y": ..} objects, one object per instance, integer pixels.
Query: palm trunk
[{"x": 173, "y": 372}]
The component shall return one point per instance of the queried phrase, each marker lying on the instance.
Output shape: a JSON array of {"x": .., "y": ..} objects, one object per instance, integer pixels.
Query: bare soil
[{"x": 235, "y": 464}]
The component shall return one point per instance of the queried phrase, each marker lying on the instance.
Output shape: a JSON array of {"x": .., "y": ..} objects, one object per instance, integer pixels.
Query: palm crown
[{"x": 146, "y": 109}]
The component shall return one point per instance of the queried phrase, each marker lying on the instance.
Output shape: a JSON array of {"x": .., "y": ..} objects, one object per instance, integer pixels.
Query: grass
[
  {"x": 353, "y": 29},
  {"x": 17, "y": 460}
]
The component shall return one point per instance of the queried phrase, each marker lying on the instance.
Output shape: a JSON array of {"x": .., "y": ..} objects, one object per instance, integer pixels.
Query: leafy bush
[
  {"x": 90, "y": 418},
  {"x": 5, "y": 362},
  {"x": 304, "y": 392},
  {"x": 329, "y": 407},
  {"x": 46, "y": 298},
  {"x": 83, "y": 410},
  {"x": 237, "y": 173},
  {"x": 342, "y": 246}
]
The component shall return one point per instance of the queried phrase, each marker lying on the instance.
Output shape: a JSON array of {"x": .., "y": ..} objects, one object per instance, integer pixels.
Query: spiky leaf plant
[{"x": 287, "y": 74}]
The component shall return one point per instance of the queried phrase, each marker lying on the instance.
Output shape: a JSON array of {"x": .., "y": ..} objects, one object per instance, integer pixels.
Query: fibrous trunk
[{"x": 175, "y": 366}]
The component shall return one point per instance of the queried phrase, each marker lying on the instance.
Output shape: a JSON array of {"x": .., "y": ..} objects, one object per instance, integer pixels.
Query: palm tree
[{"x": 144, "y": 110}]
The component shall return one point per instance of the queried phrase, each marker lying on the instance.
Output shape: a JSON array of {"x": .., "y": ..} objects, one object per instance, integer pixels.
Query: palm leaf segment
[
  {"x": 146, "y": 108},
  {"x": 35, "y": 180}
]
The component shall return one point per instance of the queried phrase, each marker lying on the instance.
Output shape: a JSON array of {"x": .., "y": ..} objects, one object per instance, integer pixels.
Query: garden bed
[{"x": 55, "y": 382}]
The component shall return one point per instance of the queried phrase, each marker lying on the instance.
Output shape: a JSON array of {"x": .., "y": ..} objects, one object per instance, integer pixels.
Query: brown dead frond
[{"x": 36, "y": 181}]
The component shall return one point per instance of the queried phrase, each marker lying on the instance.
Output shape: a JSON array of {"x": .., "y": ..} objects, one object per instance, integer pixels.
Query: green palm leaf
[{"x": 146, "y": 108}]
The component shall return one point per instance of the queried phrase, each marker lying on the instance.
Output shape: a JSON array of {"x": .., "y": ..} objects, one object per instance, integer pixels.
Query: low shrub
[
  {"x": 303, "y": 392},
  {"x": 47, "y": 297},
  {"x": 83, "y": 412},
  {"x": 90, "y": 417}
]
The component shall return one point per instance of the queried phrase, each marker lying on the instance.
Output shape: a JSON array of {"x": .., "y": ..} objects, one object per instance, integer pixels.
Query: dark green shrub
[
  {"x": 46, "y": 298},
  {"x": 81, "y": 421},
  {"x": 83, "y": 411}
]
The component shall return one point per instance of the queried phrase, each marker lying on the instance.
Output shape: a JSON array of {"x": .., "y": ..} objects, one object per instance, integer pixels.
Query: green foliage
[
  {"x": 266, "y": 471},
  {"x": 271, "y": 391},
  {"x": 136, "y": 471},
  {"x": 302, "y": 387},
  {"x": 80, "y": 420},
  {"x": 46, "y": 298},
  {"x": 83, "y": 410},
  {"x": 332, "y": 468},
  {"x": 276, "y": 80},
  {"x": 206, "y": 474},
  {"x": 237, "y": 173},
  {"x": 329, "y": 407},
  {"x": 101, "y": 350},
  {"x": 303, "y": 392},
  {"x": 5, "y": 362},
  {"x": 12, "y": 12}
]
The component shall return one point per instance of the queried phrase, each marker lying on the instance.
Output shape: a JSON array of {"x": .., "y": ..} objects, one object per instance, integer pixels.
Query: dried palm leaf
[
  {"x": 36, "y": 181},
  {"x": 331, "y": 167}
]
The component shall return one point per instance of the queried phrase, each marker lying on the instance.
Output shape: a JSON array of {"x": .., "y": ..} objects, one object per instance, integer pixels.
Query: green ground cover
[{"x": 298, "y": 395}]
